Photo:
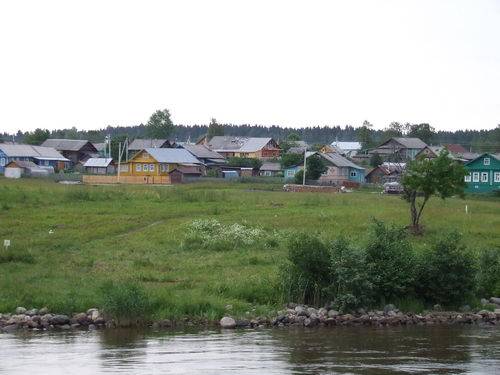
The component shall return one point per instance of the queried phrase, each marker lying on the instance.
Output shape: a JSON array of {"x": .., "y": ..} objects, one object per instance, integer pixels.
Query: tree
[
  {"x": 376, "y": 160},
  {"x": 423, "y": 131},
  {"x": 315, "y": 167},
  {"x": 244, "y": 162},
  {"x": 289, "y": 160},
  {"x": 395, "y": 129},
  {"x": 364, "y": 135},
  {"x": 160, "y": 125},
  {"x": 293, "y": 137},
  {"x": 214, "y": 129},
  {"x": 424, "y": 178},
  {"x": 37, "y": 137}
]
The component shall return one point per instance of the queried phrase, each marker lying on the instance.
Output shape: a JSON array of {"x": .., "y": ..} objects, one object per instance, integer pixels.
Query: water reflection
[{"x": 427, "y": 350}]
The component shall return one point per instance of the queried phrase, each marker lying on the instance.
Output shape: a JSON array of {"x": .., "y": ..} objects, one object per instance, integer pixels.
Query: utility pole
[
  {"x": 304, "y": 174},
  {"x": 119, "y": 159}
]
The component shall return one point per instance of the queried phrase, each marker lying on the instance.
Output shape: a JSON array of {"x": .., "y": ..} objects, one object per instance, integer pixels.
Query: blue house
[
  {"x": 339, "y": 170},
  {"x": 46, "y": 157},
  {"x": 484, "y": 174}
]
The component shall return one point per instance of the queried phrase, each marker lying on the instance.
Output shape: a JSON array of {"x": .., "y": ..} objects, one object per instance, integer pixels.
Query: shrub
[
  {"x": 127, "y": 303},
  {"x": 390, "y": 262},
  {"x": 488, "y": 275},
  {"x": 12, "y": 256},
  {"x": 307, "y": 274},
  {"x": 351, "y": 286},
  {"x": 446, "y": 273}
]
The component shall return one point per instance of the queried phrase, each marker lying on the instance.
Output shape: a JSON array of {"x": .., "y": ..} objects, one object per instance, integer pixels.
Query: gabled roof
[
  {"x": 99, "y": 146},
  {"x": 140, "y": 144},
  {"x": 339, "y": 160},
  {"x": 23, "y": 164},
  {"x": 202, "y": 151},
  {"x": 172, "y": 155},
  {"x": 66, "y": 144},
  {"x": 494, "y": 156},
  {"x": 346, "y": 146},
  {"x": 29, "y": 151},
  {"x": 456, "y": 148},
  {"x": 268, "y": 166},
  {"x": 409, "y": 142},
  {"x": 98, "y": 162},
  {"x": 240, "y": 144}
]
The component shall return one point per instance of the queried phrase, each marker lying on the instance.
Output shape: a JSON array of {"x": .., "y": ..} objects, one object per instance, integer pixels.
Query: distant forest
[{"x": 475, "y": 140}]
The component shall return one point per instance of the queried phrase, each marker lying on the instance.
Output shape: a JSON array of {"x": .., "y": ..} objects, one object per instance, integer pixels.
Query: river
[{"x": 412, "y": 350}]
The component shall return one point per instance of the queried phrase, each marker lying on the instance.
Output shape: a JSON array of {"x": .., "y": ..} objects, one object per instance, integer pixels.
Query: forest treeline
[{"x": 476, "y": 140}]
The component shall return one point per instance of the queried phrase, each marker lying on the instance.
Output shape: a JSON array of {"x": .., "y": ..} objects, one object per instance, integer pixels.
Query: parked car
[{"x": 393, "y": 188}]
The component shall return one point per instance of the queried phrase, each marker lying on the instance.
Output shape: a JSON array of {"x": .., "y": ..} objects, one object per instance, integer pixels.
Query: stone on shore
[
  {"x": 20, "y": 310},
  {"x": 227, "y": 322}
]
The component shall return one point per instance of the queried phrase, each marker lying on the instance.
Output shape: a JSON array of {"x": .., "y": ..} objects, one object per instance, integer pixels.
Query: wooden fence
[{"x": 139, "y": 180}]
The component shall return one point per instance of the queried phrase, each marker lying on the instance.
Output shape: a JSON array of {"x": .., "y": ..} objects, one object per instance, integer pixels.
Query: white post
[
  {"x": 304, "y": 174},
  {"x": 119, "y": 159}
]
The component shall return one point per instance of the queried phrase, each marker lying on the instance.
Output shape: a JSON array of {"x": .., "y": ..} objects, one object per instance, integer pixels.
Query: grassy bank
[{"x": 67, "y": 241}]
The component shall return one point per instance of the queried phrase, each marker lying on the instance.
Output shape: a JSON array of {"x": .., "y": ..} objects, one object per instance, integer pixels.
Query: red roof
[{"x": 455, "y": 148}]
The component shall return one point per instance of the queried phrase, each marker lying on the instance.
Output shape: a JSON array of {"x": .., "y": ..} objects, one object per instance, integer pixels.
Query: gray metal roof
[
  {"x": 347, "y": 146},
  {"x": 37, "y": 152},
  {"x": 241, "y": 144},
  {"x": 410, "y": 142},
  {"x": 339, "y": 161},
  {"x": 268, "y": 166},
  {"x": 99, "y": 146},
  {"x": 98, "y": 162},
  {"x": 172, "y": 155},
  {"x": 201, "y": 151},
  {"x": 65, "y": 144},
  {"x": 140, "y": 144}
]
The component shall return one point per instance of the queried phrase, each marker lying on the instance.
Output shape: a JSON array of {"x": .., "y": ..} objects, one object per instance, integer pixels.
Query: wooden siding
[{"x": 140, "y": 180}]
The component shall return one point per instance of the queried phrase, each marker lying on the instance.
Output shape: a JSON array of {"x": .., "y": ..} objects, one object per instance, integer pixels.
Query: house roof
[
  {"x": 202, "y": 151},
  {"x": 495, "y": 156},
  {"x": 98, "y": 162},
  {"x": 66, "y": 144},
  {"x": 456, "y": 148},
  {"x": 24, "y": 164},
  {"x": 347, "y": 146},
  {"x": 296, "y": 150},
  {"x": 242, "y": 144},
  {"x": 172, "y": 155},
  {"x": 339, "y": 160},
  {"x": 268, "y": 166},
  {"x": 37, "y": 152},
  {"x": 140, "y": 144},
  {"x": 409, "y": 142},
  {"x": 99, "y": 146}
]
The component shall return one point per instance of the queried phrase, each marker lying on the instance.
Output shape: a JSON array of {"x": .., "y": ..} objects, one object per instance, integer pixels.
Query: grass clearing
[{"x": 68, "y": 241}]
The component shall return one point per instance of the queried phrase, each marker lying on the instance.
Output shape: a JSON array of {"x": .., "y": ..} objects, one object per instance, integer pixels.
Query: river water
[{"x": 412, "y": 350}]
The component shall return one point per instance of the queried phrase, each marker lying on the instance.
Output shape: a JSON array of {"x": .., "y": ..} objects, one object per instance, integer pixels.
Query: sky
[{"x": 91, "y": 64}]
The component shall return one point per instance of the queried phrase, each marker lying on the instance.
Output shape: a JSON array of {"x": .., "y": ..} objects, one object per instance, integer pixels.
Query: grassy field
[{"x": 71, "y": 239}]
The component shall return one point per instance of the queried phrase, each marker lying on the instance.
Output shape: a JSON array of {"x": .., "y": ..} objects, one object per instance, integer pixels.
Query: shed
[
  {"x": 269, "y": 169},
  {"x": 18, "y": 168},
  {"x": 99, "y": 166}
]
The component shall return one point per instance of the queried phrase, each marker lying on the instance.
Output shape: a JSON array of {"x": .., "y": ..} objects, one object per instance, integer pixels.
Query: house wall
[
  {"x": 144, "y": 164},
  {"x": 13, "y": 172},
  {"x": 483, "y": 177}
]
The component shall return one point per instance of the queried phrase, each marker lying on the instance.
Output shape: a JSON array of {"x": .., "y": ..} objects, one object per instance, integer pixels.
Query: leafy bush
[
  {"x": 488, "y": 276},
  {"x": 390, "y": 262},
  {"x": 307, "y": 274},
  {"x": 351, "y": 286},
  {"x": 13, "y": 256},
  {"x": 244, "y": 162},
  {"x": 127, "y": 303},
  {"x": 446, "y": 273},
  {"x": 289, "y": 160},
  {"x": 211, "y": 234}
]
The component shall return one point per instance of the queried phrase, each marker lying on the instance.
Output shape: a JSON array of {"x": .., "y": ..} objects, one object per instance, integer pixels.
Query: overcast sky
[{"x": 91, "y": 64}]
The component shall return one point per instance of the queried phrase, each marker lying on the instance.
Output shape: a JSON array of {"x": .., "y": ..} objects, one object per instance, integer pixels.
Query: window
[
  {"x": 497, "y": 177},
  {"x": 46, "y": 163},
  {"x": 468, "y": 178},
  {"x": 138, "y": 167},
  {"x": 123, "y": 167},
  {"x": 475, "y": 177},
  {"x": 486, "y": 161},
  {"x": 353, "y": 174},
  {"x": 484, "y": 176},
  {"x": 145, "y": 167},
  {"x": 151, "y": 167},
  {"x": 2, "y": 162},
  {"x": 290, "y": 173}
]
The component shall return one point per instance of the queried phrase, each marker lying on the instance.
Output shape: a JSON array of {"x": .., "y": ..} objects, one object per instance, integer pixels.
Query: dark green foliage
[
  {"x": 390, "y": 262},
  {"x": 214, "y": 129},
  {"x": 290, "y": 160},
  {"x": 16, "y": 256},
  {"x": 126, "y": 302},
  {"x": 244, "y": 162},
  {"x": 307, "y": 274},
  {"x": 36, "y": 137},
  {"x": 365, "y": 135},
  {"x": 315, "y": 167},
  {"x": 160, "y": 124},
  {"x": 488, "y": 276},
  {"x": 375, "y": 160},
  {"x": 446, "y": 273},
  {"x": 351, "y": 286},
  {"x": 423, "y": 131}
]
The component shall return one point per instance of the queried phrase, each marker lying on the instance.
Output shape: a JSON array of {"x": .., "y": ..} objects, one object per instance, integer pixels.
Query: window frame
[
  {"x": 496, "y": 176},
  {"x": 468, "y": 177},
  {"x": 475, "y": 176},
  {"x": 484, "y": 176},
  {"x": 138, "y": 167},
  {"x": 3, "y": 161},
  {"x": 152, "y": 167},
  {"x": 486, "y": 161},
  {"x": 145, "y": 167},
  {"x": 353, "y": 174}
]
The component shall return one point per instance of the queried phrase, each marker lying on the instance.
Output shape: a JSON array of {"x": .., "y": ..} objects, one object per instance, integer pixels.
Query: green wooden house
[{"x": 484, "y": 174}]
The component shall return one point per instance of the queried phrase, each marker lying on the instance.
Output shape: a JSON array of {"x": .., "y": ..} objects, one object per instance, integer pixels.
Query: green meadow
[{"x": 67, "y": 241}]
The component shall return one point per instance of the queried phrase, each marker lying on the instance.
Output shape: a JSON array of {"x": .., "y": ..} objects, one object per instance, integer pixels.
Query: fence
[{"x": 139, "y": 180}]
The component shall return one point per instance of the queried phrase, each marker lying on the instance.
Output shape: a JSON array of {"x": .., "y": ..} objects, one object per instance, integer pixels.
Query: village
[{"x": 161, "y": 161}]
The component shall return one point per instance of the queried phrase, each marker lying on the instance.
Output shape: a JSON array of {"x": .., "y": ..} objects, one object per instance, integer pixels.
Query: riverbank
[{"x": 293, "y": 316}]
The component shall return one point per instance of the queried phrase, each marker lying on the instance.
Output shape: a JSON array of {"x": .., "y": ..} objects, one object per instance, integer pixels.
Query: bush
[
  {"x": 307, "y": 274},
  {"x": 351, "y": 286},
  {"x": 488, "y": 275},
  {"x": 390, "y": 263},
  {"x": 12, "y": 256},
  {"x": 446, "y": 273},
  {"x": 244, "y": 162},
  {"x": 127, "y": 303}
]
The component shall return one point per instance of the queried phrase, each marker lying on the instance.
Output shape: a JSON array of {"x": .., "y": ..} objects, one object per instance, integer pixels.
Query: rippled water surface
[{"x": 415, "y": 350}]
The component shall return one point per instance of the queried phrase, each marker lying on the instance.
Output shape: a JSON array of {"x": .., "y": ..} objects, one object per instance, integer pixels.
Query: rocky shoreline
[{"x": 293, "y": 315}]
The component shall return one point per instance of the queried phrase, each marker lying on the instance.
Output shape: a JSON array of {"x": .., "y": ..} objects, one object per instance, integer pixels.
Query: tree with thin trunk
[{"x": 441, "y": 176}]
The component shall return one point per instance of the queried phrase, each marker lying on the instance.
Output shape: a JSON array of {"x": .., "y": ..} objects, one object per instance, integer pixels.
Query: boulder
[
  {"x": 308, "y": 322},
  {"x": 43, "y": 311},
  {"x": 227, "y": 322},
  {"x": 20, "y": 310},
  {"x": 495, "y": 300},
  {"x": 301, "y": 311},
  {"x": 389, "y": 307},
  {"x": 333, "y": 313},
  {"x": 93, "y": 314},
  {"x": 59, "y": 320},
  {"x": 81, "y": 318},
  {"x": 10, "y": 328}
]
